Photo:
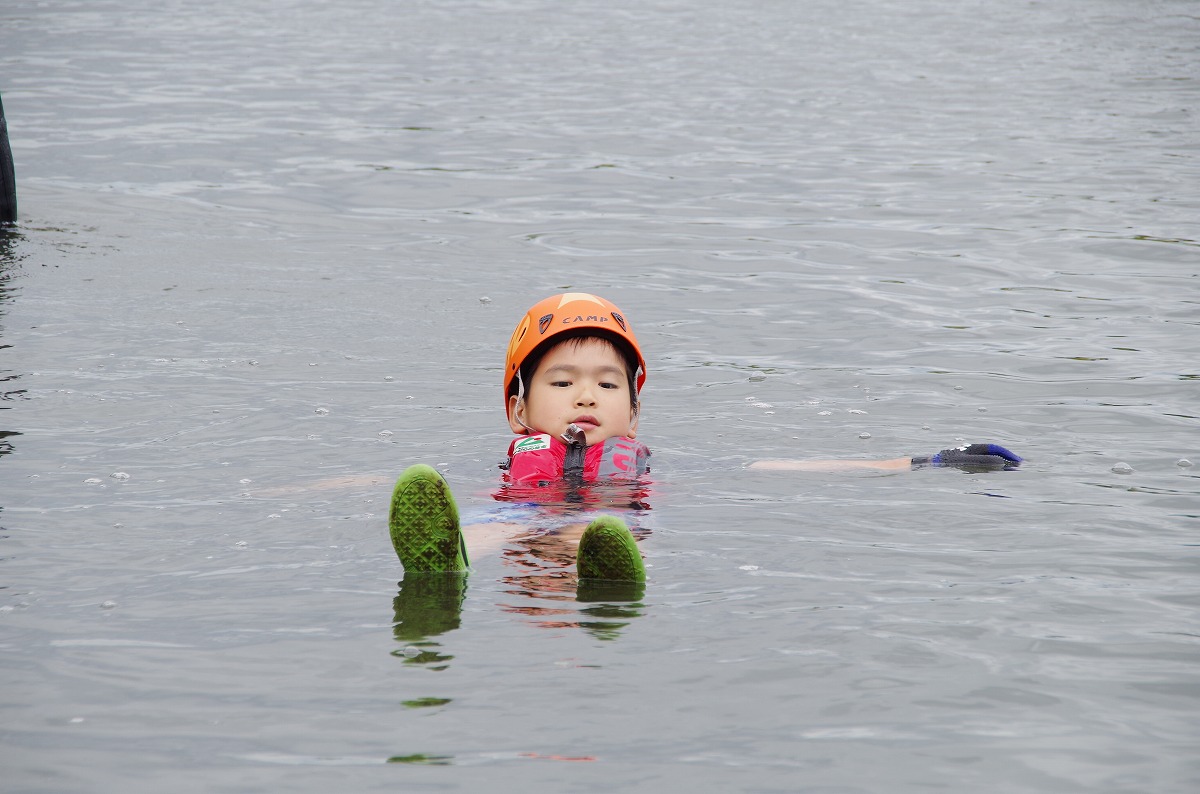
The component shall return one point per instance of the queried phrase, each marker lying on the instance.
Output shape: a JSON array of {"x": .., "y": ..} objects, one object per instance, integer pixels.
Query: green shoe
[
  {"x": 424, "y": 523},
  {"x": 607, "y": 551}
]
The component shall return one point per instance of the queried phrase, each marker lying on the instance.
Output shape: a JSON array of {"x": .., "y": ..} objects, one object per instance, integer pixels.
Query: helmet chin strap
[
  {"x": 637, "y": 403},
  {"x": 520, "y": 407}
]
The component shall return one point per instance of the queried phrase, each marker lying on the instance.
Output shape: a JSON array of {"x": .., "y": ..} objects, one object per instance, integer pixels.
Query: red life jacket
[{"x": 544, "y": 459}]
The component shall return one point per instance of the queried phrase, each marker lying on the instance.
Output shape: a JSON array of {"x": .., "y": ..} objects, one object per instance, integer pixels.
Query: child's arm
[
  {"x": 974, "y": 457},
  {"x": 831, "y": 465}
]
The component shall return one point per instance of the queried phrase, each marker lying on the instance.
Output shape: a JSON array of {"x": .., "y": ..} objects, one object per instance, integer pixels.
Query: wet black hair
[{"x": 530, "y": 365}]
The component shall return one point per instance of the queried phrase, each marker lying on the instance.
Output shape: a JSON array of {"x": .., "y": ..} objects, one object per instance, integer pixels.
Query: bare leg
[{"x": 556, "y": 547}]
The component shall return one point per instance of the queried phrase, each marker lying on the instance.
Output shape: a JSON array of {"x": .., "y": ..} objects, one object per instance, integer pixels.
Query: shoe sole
[
  {"x": 423, "y": 523},
  {"x": 607, "y": 551}
]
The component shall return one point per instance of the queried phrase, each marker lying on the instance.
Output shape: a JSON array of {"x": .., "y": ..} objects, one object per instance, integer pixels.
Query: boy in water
[{"x": 572, "y": 377}]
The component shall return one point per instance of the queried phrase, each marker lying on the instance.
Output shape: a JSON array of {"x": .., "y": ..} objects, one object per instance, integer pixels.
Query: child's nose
[{"x": 585, "y": 397}]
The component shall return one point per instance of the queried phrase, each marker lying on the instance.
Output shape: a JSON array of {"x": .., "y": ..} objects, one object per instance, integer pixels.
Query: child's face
[{"x": 582, "y": 381}]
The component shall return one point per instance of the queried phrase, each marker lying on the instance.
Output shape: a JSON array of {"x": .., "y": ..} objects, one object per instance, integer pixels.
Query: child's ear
[
  {"x": 515, "y": 403},
  {"x": 634, "y": 413}
]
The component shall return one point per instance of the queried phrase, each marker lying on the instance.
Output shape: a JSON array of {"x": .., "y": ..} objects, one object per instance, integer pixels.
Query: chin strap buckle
[{"x": 574, "y": 436}]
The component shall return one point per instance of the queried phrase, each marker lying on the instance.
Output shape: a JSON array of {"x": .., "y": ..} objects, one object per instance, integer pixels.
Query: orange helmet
[{"x": 568, "y": 312}]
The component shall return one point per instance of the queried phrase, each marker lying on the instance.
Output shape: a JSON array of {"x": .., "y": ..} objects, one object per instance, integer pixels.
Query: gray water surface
[{"x": 270, "y": 253}]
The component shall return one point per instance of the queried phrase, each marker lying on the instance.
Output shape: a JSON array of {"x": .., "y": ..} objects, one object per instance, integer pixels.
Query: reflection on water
[
  {"x": 422, "y": 759},
  {"x": 618, "y": 606},
  {"x": 425, "y": 703},
  {"x": 544, "y": 586},
  {"x": 567, "y": 497},
  {"x": 6, "y": 446},
  {"x": 9, "y": 263},
  {"x": 10, "y": 237},
  {"x": 540, "y": 563},
  {"x": 545, "y": 579},
  {"x": 428, "y": 605}
]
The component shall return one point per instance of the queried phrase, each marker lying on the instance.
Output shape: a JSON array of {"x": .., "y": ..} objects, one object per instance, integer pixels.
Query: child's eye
[
  {"x": 610, "y": 386},
  {"x": 562, "y": 384}
]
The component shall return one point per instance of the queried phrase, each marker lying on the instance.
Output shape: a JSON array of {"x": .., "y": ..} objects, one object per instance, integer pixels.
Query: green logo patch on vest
[{"x": 532, "y": 444}]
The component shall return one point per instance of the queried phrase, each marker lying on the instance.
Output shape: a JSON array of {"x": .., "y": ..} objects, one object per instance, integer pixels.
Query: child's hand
[{"x": 972, "y": 457}]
